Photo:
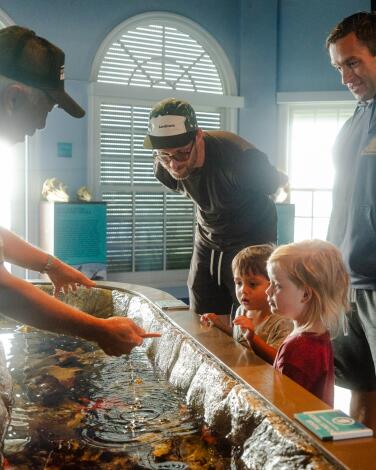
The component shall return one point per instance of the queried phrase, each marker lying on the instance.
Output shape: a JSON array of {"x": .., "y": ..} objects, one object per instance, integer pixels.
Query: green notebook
[{"x": 332, "y": 425}]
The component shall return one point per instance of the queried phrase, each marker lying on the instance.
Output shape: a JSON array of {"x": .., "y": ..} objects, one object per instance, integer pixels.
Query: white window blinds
[{"x": 159, "y": 56}]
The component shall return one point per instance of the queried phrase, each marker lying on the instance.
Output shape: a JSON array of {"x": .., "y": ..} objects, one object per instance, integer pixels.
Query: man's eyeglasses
[{"x": 178, "y": 156}]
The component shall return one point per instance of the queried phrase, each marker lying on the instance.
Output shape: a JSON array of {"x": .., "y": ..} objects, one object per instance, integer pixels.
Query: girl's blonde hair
[
  {"x": 316, "y": 264},
  {"x": 252, "y": 260}
]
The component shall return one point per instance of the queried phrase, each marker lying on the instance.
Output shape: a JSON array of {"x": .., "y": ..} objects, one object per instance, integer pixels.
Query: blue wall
[
  {"x": 258, "y": 73},
  {"x": 272, "y": 45},
  {"x": 80, "y": 26},
  {"x": 303, "y": 63}
]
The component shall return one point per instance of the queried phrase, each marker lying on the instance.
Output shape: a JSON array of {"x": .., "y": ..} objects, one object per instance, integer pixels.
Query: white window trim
[
  {"x": 318, "y": 97},
  {"x": 286, "y": 101},
  {"x": 6, "y": 19}
]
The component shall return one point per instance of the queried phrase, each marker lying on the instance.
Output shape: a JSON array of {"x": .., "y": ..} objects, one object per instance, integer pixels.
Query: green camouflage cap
[{"x": 172, "y": 123}]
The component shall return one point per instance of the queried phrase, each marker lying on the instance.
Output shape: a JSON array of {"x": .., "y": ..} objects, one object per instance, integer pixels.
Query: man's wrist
[
  {"x": 49, "y": 264},
  {"x": 88, "y": 326},
  {"x": 95, "y": 330}
]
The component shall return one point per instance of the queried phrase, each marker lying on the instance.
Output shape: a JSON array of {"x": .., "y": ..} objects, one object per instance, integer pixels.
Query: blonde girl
[{"x": 309, "y": 285}]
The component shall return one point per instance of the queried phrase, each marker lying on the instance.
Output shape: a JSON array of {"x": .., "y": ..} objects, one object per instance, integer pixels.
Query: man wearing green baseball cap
[
  {"x": 230, "y": 181},
  {"x": 31, "y": 84}
]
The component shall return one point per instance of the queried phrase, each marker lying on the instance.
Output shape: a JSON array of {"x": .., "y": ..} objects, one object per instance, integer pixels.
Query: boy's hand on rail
[{"x": 208, "y": 319}]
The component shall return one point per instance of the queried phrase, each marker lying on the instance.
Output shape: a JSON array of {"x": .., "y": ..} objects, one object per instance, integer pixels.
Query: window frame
[
  {"x": 5, "y": 19},
  {"x": 288, "y": 102}
]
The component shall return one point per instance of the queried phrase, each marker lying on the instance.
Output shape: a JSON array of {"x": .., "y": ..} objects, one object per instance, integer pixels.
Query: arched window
[
  {"x": 159, "y": 56},
  {"x": 145, "y": 59}
]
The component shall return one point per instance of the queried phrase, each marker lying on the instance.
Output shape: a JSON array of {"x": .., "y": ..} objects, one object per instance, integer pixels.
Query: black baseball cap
[{"x": 34, "y": 61}]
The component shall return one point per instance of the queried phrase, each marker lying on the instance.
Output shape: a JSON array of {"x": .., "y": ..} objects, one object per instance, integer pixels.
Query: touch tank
[{"x": 192, "y": 399}]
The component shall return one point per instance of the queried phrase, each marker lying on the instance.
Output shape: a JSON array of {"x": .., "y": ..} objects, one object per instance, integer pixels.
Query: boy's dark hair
[
  {"x": 363, "y": 24},
  {"x": 252, "y": 260}
]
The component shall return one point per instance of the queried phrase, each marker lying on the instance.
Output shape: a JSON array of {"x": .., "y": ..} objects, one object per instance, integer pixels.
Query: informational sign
[{"x": 79, "y": 236}]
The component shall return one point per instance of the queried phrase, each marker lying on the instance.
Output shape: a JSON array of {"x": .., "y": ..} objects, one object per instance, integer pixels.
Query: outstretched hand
[
  {"x": 64, "y": 278},
  {"x": 208, "y": 319},
  {"x": 120, "y": 335}
]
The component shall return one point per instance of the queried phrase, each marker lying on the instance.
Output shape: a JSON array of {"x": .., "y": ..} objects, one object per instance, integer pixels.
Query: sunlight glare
[
  {"x": 313, "y": 131},
  {"x": 6, "y": 183},
  {"x": 314, "y": 141}
]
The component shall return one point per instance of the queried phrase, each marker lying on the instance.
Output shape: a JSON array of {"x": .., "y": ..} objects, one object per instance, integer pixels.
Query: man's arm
[
  {"x": 21, "y": 253},
  {"x": 27, "y": 304},
  {"x": 254, "y": 171}
]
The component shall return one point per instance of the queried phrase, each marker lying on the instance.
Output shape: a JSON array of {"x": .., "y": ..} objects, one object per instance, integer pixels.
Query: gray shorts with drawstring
[{"x": 355, "y": 352}]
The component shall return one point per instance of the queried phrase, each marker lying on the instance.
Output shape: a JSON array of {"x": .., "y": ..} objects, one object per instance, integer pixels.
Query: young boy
[{"x": 254, "y": 325}]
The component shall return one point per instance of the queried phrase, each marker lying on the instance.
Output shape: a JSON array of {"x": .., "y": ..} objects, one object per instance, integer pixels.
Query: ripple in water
[{"x": 77, "y": 408}]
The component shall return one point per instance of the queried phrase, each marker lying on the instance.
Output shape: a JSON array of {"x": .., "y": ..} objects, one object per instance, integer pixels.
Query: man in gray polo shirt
[{"x": 352, "y": 49}]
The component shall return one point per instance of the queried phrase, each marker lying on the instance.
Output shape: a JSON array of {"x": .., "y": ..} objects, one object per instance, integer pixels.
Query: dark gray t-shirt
[{"x": 231, "y": 191}]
